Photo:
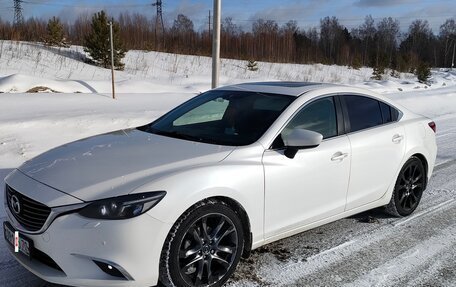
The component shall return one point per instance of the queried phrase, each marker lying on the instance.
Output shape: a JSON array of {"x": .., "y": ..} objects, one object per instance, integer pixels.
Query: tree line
[{"x": 379, "y": 44}]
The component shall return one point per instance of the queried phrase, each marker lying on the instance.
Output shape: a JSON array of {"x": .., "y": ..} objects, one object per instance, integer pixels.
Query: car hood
[{"x": 116, "y": 163}]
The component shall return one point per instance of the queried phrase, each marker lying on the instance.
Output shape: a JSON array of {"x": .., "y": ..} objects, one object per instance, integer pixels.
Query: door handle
[
  {"x": 339, "y": 156},
  {"x": 397, "y": 138}
]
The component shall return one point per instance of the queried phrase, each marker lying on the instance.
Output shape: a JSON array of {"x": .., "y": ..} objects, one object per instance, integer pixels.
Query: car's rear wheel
[
  {"x": 408, "y": 189},
  {"x": 203, "y": 247}
]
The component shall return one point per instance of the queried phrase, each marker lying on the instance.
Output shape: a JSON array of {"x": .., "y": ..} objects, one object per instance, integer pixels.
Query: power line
[
  {"x": 31, "y": 2},
  {"x": 307, "y": 20}
]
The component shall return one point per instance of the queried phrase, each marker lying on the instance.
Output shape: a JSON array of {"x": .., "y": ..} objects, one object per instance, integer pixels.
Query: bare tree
[
  {"x": 332, "y": 39},
  {"x": 372, "y": 43},
  {"x": 367, "y": 33},
  {"x": 266, "y": 35},
  {"x": 387, "y": 34},
  {"x": 448, "y": 39},
  {"x": 183, "y": 34}
]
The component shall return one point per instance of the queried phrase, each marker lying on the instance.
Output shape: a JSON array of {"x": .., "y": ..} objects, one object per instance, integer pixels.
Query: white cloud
[{"x": 380, "y": 3}]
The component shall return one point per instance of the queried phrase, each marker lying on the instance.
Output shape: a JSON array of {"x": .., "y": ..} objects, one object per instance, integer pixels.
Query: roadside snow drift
[{"x": 30, "y": 67}]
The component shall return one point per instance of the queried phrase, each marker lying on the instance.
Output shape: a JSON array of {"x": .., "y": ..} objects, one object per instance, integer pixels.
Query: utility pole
[
  {"x": 18, "y": 17},
  {"x": 216, "y": 43},
  {"x": 209, "y": 24},
  {"x": 454, "y": 49},
  {"x": 159, "y": 21},
  {"x": 112, "y": 58}
]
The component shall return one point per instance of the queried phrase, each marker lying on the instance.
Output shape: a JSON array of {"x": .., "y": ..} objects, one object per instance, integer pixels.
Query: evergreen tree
[
  {"x": 97, "y": 42},
  {"x": 252, "y": 65},
  {"x": 55, "y": 35},
  {"x": 379, "y": 69},
  {"x": 356, "y": 63},
  {"x": 378, "y": 73},
  {"x": 423, "y": 73}
]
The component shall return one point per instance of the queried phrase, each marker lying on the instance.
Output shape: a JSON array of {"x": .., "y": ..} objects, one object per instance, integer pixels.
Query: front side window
[
  {"x": 318, "y": 116},
  {"x": 363, "y": 112},
  {"x": 233, "y": 118}
]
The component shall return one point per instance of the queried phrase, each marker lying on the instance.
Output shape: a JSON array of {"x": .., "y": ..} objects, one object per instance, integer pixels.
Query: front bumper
[{"x": 75, "y": 243}]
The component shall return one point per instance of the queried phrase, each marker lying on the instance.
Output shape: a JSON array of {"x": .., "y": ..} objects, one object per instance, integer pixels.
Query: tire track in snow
[
  {"x": 439, "y": 269},
  {"x": 326, "y": 261},
  {"x": 403, "y": 249},
  {"x": 409, "y": 261},
  {"x": 444, "y": 165},
  {"x": 428, "y": 211}
]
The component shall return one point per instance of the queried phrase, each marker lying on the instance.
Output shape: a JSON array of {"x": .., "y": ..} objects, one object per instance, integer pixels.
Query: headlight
[{"x": 122, "y": 207}]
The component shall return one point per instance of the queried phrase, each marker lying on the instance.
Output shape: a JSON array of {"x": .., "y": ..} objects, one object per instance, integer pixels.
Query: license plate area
[{"x": 25, "y": 244}]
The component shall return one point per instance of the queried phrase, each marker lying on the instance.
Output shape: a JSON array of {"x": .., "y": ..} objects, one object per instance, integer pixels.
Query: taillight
[{"x": 433, "y": 126}]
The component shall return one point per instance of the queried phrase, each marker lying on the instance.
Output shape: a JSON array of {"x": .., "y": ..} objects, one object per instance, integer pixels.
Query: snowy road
[{"x": 369, "y": 249}]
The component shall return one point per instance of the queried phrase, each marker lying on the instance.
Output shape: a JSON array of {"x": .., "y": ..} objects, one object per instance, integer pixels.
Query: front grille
[{"x": 32, "y": 214}]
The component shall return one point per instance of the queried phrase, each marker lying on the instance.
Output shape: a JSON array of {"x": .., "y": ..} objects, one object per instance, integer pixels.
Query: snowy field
[{"x": 368, "y": 249}]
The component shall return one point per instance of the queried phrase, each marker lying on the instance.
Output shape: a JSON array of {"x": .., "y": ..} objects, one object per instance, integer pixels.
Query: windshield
[{"x": 233, "y": 118}]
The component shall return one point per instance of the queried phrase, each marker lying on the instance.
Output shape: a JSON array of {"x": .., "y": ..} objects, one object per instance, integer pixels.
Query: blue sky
[{"x": 307, "y": 12}]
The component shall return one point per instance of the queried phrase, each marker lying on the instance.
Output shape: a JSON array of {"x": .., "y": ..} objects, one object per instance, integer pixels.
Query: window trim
[{"x": 347, "y": 123}]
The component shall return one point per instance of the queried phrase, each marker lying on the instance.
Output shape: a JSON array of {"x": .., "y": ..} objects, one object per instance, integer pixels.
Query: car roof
[
  {"x": 297, "y": 89},
  {"x": 284, "y": 88}
]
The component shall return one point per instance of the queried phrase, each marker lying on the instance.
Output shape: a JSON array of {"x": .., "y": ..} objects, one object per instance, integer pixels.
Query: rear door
[{"x": 377, "y": 147}]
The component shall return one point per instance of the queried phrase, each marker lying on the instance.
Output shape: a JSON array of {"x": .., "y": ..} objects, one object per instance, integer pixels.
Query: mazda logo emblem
[{"x": 15, "y": 204}]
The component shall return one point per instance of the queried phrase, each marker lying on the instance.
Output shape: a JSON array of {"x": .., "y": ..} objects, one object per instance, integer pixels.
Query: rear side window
[
  {"x": 394, "y": 114},
  {"x": 386, "y": 112},
  {"x": 363, "y": 112},
  {"x": 389, "y": 113}
]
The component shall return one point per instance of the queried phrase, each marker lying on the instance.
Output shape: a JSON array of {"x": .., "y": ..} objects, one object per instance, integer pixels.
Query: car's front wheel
[
  {"x": 203, "y": 247},
  {"x": 408, "y": 189}
]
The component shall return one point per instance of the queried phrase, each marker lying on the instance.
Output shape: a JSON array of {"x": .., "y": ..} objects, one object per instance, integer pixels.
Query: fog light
[{"x": 109, "y": 269}]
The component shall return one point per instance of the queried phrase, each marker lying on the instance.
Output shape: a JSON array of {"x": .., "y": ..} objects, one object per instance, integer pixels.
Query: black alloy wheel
[
  {"x": 408, "y": 189},
  {"x": 208, "y": 250},
  {"x": 205, "y": 249}
]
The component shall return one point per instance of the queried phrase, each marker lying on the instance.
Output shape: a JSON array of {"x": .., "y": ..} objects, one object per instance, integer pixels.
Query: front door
[{"x": 313, "y": 185}]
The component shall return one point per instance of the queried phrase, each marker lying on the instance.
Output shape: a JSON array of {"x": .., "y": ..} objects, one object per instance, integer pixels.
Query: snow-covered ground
[
  {"x": 24, "y": 66},
  {"x": 369, "y": 249}
]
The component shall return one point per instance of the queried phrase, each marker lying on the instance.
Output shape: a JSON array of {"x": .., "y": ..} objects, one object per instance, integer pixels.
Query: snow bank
[
  {"x": 25, "y": 84},
  {"x": 33, "y": 123},
  {"x": 431, "y": 103},
  {"x": 440, "y": 78},
  {"x": 24, "y": 66}
]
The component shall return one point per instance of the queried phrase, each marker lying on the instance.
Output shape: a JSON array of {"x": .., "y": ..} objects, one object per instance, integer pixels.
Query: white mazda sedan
[{"x": 180, "y": 200}]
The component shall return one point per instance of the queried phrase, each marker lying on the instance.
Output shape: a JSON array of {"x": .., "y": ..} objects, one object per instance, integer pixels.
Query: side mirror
[{"x": 301, "y": 139}]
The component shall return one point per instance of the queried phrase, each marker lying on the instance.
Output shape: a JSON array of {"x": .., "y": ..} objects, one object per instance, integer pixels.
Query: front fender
[{"x": 243, "y": 183}]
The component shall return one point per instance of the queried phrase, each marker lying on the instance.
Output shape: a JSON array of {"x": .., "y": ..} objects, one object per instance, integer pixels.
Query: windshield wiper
[{"x": 177, "y": 135}]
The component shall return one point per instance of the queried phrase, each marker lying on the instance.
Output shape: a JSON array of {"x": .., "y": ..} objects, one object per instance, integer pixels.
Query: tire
[
  {"x": 203, "y": 247},
  {"x": 408, "y": 189}
]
